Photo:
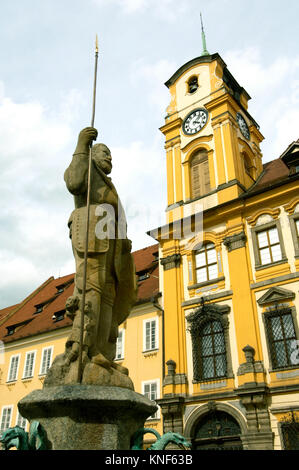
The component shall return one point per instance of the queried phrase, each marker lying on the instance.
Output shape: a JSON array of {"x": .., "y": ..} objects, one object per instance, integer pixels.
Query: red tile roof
[
  {"x": 4, "y": 313},
  {"x": 145, "y": 258},
  {"x": 274, "y": 171},
  {"x": 47, "y": 295}
]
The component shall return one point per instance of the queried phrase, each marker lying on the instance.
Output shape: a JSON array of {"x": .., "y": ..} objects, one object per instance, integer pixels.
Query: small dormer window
[
  {"x": 58, "y": 316},
  {"x": 192, "y": 84},
  {"x": 10, "y": 330},
  {"x": 38, "y": 309},
  {"x": 290, "y": 157},
  {"x": 143, "y": 277}
]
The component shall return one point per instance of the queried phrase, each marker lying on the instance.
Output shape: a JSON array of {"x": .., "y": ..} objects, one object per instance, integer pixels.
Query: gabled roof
[
  {"x": 291, "y": 154},
  {"x": 294, "y": 146},
  {"x": 25, "y": 321}
]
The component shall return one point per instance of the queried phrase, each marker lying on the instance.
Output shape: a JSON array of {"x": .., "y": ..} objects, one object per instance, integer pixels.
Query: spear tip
[{"x": 97, "y": 44}]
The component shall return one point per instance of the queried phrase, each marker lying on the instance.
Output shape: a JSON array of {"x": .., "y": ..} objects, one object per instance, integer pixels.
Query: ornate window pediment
[{"x": 276, "y": 294}]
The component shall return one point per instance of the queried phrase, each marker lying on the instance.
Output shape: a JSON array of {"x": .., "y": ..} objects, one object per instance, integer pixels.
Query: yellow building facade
[{"x": 230, "y": 281}]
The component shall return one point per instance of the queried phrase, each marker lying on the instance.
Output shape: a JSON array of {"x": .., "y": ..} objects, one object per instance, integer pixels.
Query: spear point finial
[{"x": 97, "y": 44}]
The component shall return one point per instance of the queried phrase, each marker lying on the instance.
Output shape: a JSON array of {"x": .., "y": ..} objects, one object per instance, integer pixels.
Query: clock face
[
  {"x": 195, "y": 121},
  {"x": 243, "y": 126}
]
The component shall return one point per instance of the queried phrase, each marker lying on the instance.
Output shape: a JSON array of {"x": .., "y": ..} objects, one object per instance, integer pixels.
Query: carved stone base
[
  {"x": 93, "y": 374},
  {"x": 97, "y": 375},
  {"x": 87, "y": 417}
]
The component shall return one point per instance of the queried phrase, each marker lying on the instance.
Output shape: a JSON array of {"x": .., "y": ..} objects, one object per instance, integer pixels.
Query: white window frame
[
  {"x": 10, "y": 367},
  {"x": 157, "y": 414},
  {"x": 205, "y": 250},
  {"x": 122, "y": 345},
  {"x": 41, "y": 371},
  {"x": 20, "y": 421},
  {"x": 156, "y": 346},
  {"x": 6, "y": 407},
  {"x": 33, "y": 365}
]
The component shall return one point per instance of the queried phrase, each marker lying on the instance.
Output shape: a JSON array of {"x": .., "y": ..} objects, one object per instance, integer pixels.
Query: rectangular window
[
  {"x": 206, "y": 265},
  {"x": 5, "y": 418},
  {"x": 46, "y": 360},
  {"x": 13, "y": 368},
  {"x": 29, "y": 364},
  {"x": 150, "y": 335},
  {"x": 294, "y": 225},
  {"x": 290, "y": 433},
  {"x": 200, "y": 176},
  {"x": 269, "y": 246},
  {"x": 120, "y": 344},
  {"x": 151, "y": 391},
  {"x": 212, "y": 351},
  {"x": 22, "y": 422},
  {"x": 282, "y": 334}
]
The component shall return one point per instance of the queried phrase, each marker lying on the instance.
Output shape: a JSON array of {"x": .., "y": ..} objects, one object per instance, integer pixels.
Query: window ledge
[
  {"x": 284, "y": 369},
  {"x": 27, "y": 379},
  {"x": 206, "y": 283},
  {"x": 11, "y": 382},
  {"x": 118, "y": 359},
  {"x": 147, "y": 352},
  {"x": 213, "y": 380},
  {"x": 258, "y": 267}
]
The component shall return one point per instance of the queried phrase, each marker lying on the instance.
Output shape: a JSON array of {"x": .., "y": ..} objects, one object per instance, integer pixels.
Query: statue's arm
[{"x": 75, "y": 175}]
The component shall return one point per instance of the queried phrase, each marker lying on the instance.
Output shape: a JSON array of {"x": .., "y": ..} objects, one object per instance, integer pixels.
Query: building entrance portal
[{"x": 217, "y": 430}]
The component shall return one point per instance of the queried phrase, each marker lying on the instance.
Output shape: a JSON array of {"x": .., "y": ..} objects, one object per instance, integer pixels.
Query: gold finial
[{"x": 97, "y": 44}]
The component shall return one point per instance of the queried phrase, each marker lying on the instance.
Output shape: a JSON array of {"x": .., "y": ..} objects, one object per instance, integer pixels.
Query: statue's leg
[{"x": 106, "y": 346}]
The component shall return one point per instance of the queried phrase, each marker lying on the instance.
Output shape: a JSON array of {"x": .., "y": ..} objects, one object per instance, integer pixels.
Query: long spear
[{"x": 87, "y": 219}]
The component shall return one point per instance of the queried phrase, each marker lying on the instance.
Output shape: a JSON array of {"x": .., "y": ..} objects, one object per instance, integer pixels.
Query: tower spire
[{"x": 203, "y": 38}]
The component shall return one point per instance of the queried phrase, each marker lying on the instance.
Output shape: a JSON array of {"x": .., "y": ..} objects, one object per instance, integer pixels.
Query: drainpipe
[{"x": 157, "y": 306}]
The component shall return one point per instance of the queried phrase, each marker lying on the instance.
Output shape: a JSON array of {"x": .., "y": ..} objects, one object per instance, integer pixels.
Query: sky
[{"x": 46, "y": 82}]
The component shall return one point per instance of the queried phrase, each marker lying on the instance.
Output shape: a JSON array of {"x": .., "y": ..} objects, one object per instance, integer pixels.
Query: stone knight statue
[{"x": 110, "y": 272}]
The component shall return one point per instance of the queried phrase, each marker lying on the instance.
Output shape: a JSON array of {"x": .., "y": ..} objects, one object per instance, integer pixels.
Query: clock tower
[
  {"x": 212, "y": 142},
  {"x": 214, "y": 162}
]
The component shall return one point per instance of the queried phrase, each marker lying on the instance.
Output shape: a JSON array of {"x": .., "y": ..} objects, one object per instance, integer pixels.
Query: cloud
[
  {"x": 169, "y": 10},
  {"x": 35, "y": 145},
  {"x": 139, "y": 176},
  {"x": 274, "y": 88},
  {"x": 153, "y": 76}
]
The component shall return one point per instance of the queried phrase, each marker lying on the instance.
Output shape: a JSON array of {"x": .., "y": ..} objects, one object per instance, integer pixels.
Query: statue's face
[{"x": 102, "y": 157}]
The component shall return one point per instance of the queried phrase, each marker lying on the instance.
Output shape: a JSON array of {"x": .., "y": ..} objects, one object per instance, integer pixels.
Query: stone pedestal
[{"x": 87, "y": 417}]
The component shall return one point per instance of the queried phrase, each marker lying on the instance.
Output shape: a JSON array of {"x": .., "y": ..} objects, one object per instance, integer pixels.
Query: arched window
[
  {"x": 212, "y": 356},
  {"x": 192, "y": 84},
  {"x": 206, "y": 266},
  {"x": 248, "y": 165},
  {"x": 208, "y": 326},
  {"x": 200, "y": 176}
]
